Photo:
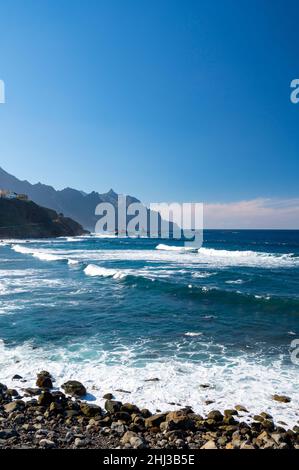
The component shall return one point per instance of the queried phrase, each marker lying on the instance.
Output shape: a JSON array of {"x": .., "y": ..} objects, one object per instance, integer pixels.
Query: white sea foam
[
  {"x": 202, "y": 274},
  {"x": 18, "y": 272},
  {"x": 183, "y": 249},
  {"x": 73, "y": 261},
  {"x": 212, "y": 258},
  {"x": 246, "y": 258},
  {"x": 46, "y": 256},
  {"x": 147, "y": 272},
  {"x": 204, "y": 257},
  {"x": 74, "y": 239},
  {"x": 264, "y": 297},
  {"x": 191, "y": 333},
  {"x": 43, "y": 254},
  {"x": 239, "y": 380},
  {"x": 103, "y": 235},
  {"x": 237, "y": 281},
  {"x": 19, "y": 241},
  {"x": 93, "y": 270}
]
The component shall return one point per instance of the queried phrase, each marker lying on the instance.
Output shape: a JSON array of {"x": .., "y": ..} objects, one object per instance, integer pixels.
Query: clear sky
[{"x": 163, "y": 99}]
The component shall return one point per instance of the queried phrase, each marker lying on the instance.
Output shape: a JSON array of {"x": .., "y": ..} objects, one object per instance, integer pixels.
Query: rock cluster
[{"x": 52, "y": 419}]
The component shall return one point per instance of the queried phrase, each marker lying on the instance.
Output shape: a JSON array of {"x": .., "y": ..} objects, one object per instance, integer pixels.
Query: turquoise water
[{"x": 115, "y": 312}]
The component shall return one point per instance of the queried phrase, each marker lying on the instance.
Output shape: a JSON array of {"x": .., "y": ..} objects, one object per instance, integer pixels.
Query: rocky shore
[{"x": 44, "y": 417}]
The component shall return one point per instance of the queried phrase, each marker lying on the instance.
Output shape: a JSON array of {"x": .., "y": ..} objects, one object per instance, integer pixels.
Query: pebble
[{"x": 46, "y": 443}]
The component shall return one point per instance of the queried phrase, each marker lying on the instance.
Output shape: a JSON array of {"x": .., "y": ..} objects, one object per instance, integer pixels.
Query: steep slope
[{"x": 25, "y": 219}]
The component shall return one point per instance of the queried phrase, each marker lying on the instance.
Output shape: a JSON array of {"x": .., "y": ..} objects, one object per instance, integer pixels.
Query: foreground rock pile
[{"x": 47, "y": 418}]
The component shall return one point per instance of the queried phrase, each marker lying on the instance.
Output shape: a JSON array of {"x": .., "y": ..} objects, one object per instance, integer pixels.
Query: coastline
[{"x": 43, "y": 417}]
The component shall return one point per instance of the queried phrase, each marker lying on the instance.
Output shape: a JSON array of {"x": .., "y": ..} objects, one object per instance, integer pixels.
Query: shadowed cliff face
[
  {"x": 71, "y": 202},
  {"x": 25, "y": 219}
]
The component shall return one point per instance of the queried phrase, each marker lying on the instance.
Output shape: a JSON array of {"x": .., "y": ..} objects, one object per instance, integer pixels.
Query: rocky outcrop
[{"x": 25, "y": 219}]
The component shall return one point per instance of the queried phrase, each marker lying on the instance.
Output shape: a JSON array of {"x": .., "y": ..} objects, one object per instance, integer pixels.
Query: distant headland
[{"x": 22, "y": 218}]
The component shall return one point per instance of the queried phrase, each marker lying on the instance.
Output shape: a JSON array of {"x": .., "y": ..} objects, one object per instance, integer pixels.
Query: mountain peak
[{"x": 111, "y": 192}]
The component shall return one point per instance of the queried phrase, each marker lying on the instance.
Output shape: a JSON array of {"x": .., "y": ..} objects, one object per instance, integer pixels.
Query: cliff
[{"x": 25, "y": 219}]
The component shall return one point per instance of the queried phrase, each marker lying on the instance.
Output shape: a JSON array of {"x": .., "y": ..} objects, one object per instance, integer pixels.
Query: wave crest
[
  {"x": 164, "y": 247},
  {"x": 93, "y": 270}
]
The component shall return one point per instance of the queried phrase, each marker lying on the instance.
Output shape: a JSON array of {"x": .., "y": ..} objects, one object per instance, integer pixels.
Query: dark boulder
[
  {"x": 45, "y": 398},
  {"x": 3, "y": 388},
  {"x": 215, "y": 415},
  {"x": 112, "y": 406},
  {"x": 108, "y": 396},
  {"x": 90, "y": 410},
  {"x": 281, "y": 398},
  {"x": 155, "y": 420},
  {"x": 241, "y": 408},
  {"x": 122, "y": 416},
  {"x": 44, "y": 380},
  {"x": 145, "y": 413},
  {"x": 74, "y": 388},
  {"x": 11, "y": 392},
  {"x": 129, "y": 408},
  {"x": 179, "y": 420},
  {"x": 7, "y": 433},
  {"x": 15, "y": 405}
]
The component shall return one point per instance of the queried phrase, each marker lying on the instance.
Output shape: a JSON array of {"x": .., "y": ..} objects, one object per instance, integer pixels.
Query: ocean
[{"x": 214, "y": 326}]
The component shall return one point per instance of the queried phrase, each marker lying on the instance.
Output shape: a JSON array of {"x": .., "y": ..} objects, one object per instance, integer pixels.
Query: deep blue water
[{"x": 123, "y": 302}]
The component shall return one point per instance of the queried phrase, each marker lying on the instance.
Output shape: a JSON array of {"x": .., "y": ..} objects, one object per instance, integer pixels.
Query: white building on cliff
[{"x": 6, "y": 194}]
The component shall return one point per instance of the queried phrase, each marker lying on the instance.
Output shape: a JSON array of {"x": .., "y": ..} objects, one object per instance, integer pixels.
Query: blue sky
[{"x": 166, "y": 100}]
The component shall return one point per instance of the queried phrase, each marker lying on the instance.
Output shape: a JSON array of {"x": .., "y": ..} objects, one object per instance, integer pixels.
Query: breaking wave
[
  {"x": 93, "y": 270},
  {"x": 183, "y": 249},
  {"x": 248, "y": 258},
  {"x": 42, "y": 255},
  {"x": 219, "y": 258}
]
